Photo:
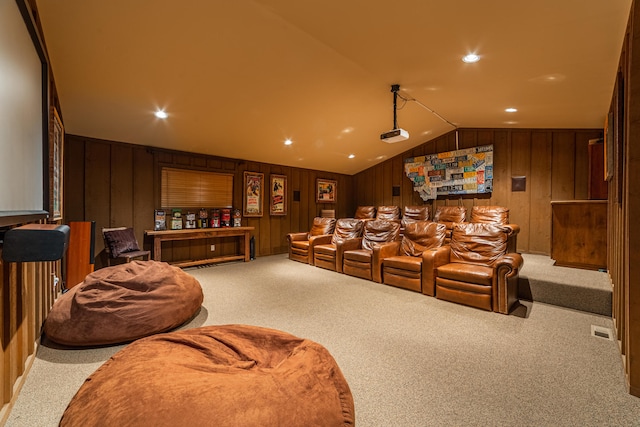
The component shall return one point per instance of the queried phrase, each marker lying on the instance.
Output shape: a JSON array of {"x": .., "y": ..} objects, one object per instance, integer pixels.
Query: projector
[{"x": 395, "y": 135}]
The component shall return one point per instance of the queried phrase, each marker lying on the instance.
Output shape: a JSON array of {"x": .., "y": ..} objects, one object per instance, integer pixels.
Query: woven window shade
[{"x": 196, "y": 189}]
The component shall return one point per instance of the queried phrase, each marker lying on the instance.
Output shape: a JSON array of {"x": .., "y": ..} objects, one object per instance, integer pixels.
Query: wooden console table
[
  {"x": 202, "y": 233},
  {"x": 579, "y": 233}
]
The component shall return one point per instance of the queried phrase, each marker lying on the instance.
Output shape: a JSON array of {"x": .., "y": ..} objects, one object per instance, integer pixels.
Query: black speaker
[{"x": 35, "y": 242}]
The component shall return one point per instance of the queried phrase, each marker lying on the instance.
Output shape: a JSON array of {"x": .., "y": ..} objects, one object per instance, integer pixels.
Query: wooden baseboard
[{"x": 633, "y": 390}]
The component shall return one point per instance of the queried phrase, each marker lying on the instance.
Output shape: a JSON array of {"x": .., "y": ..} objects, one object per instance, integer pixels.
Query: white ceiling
[{"x": 238, "y": 77}]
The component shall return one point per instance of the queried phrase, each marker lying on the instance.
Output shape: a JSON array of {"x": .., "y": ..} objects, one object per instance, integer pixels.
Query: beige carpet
[{"x": 410, "y": 360}]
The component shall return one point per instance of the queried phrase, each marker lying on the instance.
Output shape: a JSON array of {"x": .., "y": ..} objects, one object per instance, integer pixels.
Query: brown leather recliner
[
  {"x": 301, "y": 244},
  {"x": 379, "y": 240},
  {"x": 489, "y": 215},
  {"x": 405, "y": 270},
  {"x": 476, "y": 269},
  {"x": 419, "y": 213},
  {"x": 388, "y": 212},
  {"x": 497, "y": 215},
  {"x": 450, "y": 215},
  {"x": 412, "y": 214},
  {"x": 365, "y": 212},
  {"x": 329, "y": 255}
]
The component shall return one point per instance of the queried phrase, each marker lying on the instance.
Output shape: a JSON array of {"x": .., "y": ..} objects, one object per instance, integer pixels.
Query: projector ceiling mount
[
  {"x": 397, "y": 134},
  {"x": 394, "y": 90}
]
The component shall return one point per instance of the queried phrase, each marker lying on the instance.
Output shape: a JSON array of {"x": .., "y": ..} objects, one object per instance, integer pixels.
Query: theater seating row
[{"x": 473, "y": 263}]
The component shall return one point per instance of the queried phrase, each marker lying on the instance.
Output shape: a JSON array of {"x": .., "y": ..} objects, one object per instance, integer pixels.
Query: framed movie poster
[
  {"x": 278, "y": 200},
  {"x": 56, "y": 156},
  {"x": 253, "y": 193},
  {"x": 609, "y": 146},
  {"x": 326, "y": 190}
]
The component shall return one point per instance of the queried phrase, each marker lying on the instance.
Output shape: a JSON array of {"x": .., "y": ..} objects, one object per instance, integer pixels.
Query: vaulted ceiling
[{"x": 237, "y": 78}]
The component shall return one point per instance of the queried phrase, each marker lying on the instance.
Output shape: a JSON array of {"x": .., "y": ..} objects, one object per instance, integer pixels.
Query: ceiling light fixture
[
  {"x": 396, "y": 134},
  {"x": 470, "y": 58},
  {"x": 161, "y": 114},
  {"x": 511, "y": 110},
  {"x": 351, "y": 156},
  {"x": 288, "y": 141}
]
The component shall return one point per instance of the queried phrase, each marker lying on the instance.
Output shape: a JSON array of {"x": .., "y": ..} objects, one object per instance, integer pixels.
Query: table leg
[
  {"x": 247, "y": 254},
  {"x": 157, "y": 248}
]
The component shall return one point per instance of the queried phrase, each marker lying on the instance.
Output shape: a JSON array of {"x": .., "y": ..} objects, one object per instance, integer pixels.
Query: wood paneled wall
[
  {"x": 623, "y": 253},
  {"x": 26, "y": 297},
  {"x": 554, "y": 162},
  {"x": 117, "y": 184}
]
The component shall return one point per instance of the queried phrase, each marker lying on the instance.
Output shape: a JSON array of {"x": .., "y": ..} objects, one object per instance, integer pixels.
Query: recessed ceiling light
[
  {"x": 510, "y": 110},
  {"x": 470, "y": 58},
  {"x": 351, "y": 156},
  {"x": 288, "y": 141},
  {"x": 161, "y": 114}
]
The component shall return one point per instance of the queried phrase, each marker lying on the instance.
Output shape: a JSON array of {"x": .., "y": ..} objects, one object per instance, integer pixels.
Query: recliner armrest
[
  {"x": 380, "y": 252},
  {"x": 509, "y": 263},
  {"x": 512, "y": 237},
  {"x": 323, "y": 239},
  {"x": 431, "y": 260},
  {"x": 317, "y": 240},
  {"x": 346, "y": 245},
  {"x": 291, "y": 237},
  {"x": 505, "y": 293},
  {"x": 513, "y": 229}
]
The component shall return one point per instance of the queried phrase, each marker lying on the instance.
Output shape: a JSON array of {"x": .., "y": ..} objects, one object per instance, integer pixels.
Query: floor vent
[{"x": 601, "y": 332}]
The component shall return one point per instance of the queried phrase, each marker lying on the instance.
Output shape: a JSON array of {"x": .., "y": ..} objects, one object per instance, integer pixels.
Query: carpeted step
[{"x": 578, "y": 289}]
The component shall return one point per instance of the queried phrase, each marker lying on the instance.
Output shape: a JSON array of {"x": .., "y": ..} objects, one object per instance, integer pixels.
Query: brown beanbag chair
[
  {"x": 123, "y": 303},
  {"x": 231, "y": 375}
]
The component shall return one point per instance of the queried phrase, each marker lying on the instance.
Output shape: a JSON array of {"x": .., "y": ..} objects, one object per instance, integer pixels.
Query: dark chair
[
  {"x": 379, "y": 240},
  {"x": 120, "y": 243},
  {"x": 301, "y": 244},
  {"x": 475, "y": 269},
  {"x": 330, "y": 255},
  {"x": 405, "y": 269}
]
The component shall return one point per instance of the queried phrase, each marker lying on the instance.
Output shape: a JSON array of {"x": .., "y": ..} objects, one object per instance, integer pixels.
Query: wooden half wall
[
  {"x": 554, "y": 162},
  {"x": 27, "y": 294},
  {"x": 118, "y": 184}
]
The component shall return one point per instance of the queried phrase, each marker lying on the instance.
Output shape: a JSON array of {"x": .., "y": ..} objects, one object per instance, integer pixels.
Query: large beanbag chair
[
  {"x": 231, "y": 375},
  {"x": 123, "y": 303}
]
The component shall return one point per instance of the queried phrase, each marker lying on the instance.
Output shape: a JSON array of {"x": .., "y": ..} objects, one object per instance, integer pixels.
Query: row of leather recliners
[{"x": 473, "y": 263}]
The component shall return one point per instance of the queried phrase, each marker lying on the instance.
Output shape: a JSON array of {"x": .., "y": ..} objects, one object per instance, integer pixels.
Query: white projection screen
[{"x": 23, "y": 115}]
